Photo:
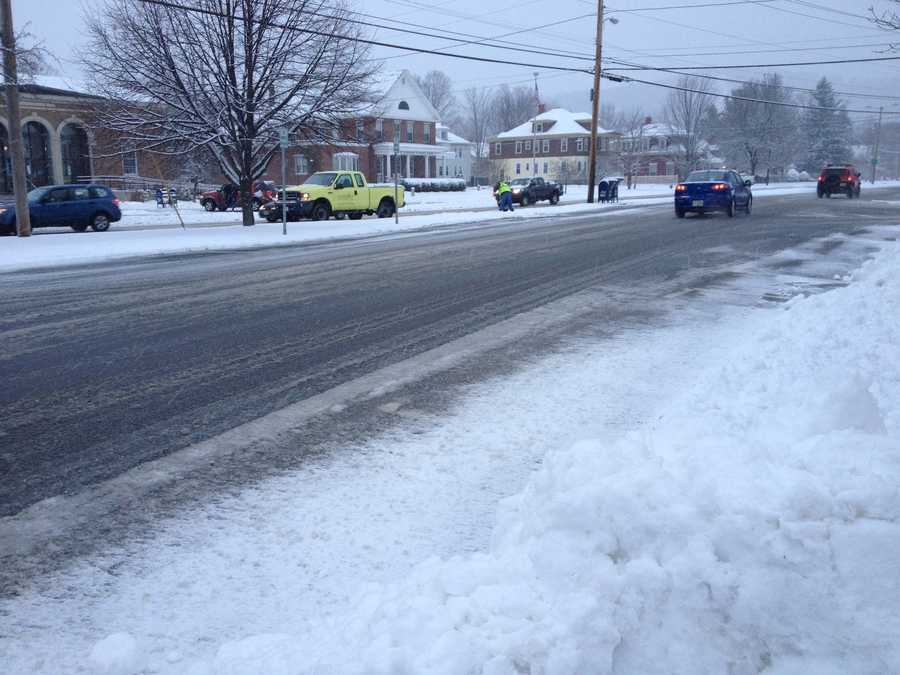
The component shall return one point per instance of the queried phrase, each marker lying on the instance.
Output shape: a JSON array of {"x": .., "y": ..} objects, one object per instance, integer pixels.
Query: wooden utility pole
[
  {"x": 595, "y": 105},
  {"x": 877, "y": 143},
  {"x": 11, "y": 83}
]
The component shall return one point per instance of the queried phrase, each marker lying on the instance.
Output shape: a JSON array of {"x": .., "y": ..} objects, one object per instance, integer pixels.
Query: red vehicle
[
  {"x": 839, "y": 179},
  {"x": 229, "y": 196}
]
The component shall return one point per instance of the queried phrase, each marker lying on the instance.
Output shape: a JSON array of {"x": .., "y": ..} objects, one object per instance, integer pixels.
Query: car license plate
[{"x": 697, "y": 202}]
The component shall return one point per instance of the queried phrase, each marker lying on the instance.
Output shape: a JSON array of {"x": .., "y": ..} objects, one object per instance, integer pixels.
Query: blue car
[
  {"x": 76, "y": 206},
  {"x": 719, "y": 190}
]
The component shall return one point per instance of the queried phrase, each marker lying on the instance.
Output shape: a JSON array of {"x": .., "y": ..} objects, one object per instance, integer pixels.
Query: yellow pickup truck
[{"x": 336, "y": 193}]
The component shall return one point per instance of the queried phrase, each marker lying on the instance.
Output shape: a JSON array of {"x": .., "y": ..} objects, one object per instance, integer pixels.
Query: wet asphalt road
[{"x": 108, "y": 366}]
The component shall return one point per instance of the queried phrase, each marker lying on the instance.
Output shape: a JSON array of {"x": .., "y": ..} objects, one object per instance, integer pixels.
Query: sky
[{"x": 731, "y": 32}]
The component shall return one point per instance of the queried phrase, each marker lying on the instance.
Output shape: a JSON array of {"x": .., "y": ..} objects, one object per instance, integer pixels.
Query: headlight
[
  {"x": 2, "y": 210},
  {"x": 517, "y": 190},
  {"x": 305, "y": 197}
]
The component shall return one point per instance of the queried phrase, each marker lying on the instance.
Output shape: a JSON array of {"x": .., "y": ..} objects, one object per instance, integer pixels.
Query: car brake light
[
  {"x": 846, "y": 178},
  {"x": 720, "y": 186},
  {"x": 821, "y": 178},
  {"x": 680, "y": 187}
]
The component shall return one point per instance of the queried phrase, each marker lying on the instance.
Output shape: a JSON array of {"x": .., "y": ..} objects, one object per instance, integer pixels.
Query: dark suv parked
[
  {"x": 839, "y": 179},
  {"x": 75, "y": 206}
]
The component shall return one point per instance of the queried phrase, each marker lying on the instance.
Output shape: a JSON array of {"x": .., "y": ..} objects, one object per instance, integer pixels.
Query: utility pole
[
  {"x": 11, "y": 83},
  {"x": 537, "y": 110},
  {"x": 877, "y": 142},
  {"x": 595, "y": 105}
]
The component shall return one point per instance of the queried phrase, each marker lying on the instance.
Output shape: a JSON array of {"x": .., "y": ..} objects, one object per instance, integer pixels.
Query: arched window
[
  {"x": 75, "y": 153},
  {"x": 6, "y": 183},
  {"x": 403, "y": 105},
  {"x": 38, "y": 161}
]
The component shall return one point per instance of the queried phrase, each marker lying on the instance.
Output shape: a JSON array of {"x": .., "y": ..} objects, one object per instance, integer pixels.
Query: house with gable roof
[
  {"x": 554, "y": 145},
  {"x": 398, "y": 111}
]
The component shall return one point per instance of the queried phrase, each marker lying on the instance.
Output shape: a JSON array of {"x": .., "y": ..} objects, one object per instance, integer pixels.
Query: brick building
[
  {"x": 555, "y": 144},
  {"x": 399, "y": 111}
]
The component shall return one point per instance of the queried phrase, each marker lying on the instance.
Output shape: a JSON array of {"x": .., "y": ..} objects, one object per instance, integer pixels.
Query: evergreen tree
[{"x": 828, "y": 132}]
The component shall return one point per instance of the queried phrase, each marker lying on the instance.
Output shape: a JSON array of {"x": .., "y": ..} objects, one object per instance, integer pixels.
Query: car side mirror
[
  {"x": 748, "y": 183},
  {"x": 338, "y": 186}
]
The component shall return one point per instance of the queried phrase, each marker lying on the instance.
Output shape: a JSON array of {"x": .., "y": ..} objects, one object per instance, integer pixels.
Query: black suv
[{"x": 839, "y": 179}]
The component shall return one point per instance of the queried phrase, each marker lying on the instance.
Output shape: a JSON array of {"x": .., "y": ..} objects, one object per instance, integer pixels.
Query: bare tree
[
  {"x": 226, "y": 75},
  {"x": 511, "y": 107},
  {"x": 477, "y": 118},
  {"x": 438, "y": 89},
  {"x": 685, "y": 111},
  {"x": 32, "y": 58},
  {"x": 760, "y": 134},
  {"x": 630, "y": 146}
]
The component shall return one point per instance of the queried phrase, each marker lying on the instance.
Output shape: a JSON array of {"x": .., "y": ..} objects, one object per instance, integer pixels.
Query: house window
[
  {"x": 527, "y": 146},
  {"x": 518, "y": 168},
  {"x": 403, "y": 105},
  {"x": 458, "y": 154},
  {"x": 301, "y": 165},
  {"x": 580, "y": 166},
  {"x": 409, "y": 132},
  {"x": 427, "y": 133},
  {"x": 345, "y": 161},
  {"x": 564, "y": 145},
  {"x": 579, "y": 145},
  {"x": 652, "y": 168},
  {"x": 379, "y": 129},
  {"x": 130, "y": 163},
  {"x": 546, "y": 148},
  {"x": 545, "y": 167},
  {"x": 527, "y": 167},
  {"x": 397, "y": 130},
  {"x": 518, "y": 147},
  {"x": 498, "y": 148},
  {"x": 670, "y": 168}
]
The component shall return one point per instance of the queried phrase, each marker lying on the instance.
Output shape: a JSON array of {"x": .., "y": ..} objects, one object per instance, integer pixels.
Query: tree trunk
[{"x": 246, "y": 187}]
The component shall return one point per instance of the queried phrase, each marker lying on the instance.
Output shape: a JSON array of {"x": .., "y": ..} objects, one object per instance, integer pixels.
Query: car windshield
[
  {"x": 706, "y": 176},
  {"x": 37, "y": 194},
  {"x": 521, "y": 181},
  {"x": 321, "y": 179}
]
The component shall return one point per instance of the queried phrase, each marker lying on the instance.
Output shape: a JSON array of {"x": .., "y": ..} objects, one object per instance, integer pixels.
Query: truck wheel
[
  {"x": 321, "y": 211},
  {"x": 554, "y": 198},
  {"x": 385, "y": 208},
  {"x": 525, "y": 200}
]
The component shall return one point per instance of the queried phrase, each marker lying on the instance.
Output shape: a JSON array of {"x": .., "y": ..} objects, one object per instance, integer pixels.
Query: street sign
[{"x": 284, "y": 139}]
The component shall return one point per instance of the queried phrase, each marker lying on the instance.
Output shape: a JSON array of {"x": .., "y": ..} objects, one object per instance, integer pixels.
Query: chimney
[
  {"x": 542, "y": 108},
  {"x": 648, "y": 120}
]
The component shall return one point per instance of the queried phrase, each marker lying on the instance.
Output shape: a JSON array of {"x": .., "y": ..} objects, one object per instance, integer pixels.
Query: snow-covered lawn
[{"x": 713, "y": 498}]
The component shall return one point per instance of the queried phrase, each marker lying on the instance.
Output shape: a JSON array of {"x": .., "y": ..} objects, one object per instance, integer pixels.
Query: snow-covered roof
[
  {"x": 565, "y": 124},
  {"x": 452, "y": 139},
  {"x": 388, "y": 89},
  {"x": 59, "y": 83},
  {"x": 661, "y": 129}
]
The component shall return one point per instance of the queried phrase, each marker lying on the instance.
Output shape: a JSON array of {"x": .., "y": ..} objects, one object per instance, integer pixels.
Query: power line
[
  {"x": 774, "y": 65},
  {"x": 618, "y": 78},
  {"x": 375, "y": 43},
  {"x": 772, "y": 51},
  {"x": 680, "y": 71},
  {"x": 705, "y": 4}
]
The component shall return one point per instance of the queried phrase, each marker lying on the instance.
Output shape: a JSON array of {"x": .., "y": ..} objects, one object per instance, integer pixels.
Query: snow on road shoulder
[
  {"x": 754, "y": 528},
  {"x": 68, "y": 248}
]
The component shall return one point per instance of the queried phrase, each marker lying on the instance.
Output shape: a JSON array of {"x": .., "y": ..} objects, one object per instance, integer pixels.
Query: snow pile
[{"x": 753, "y": 529}]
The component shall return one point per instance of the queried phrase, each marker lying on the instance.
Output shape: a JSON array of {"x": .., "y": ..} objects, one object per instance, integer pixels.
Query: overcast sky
[{"x": 759, "y": 32}]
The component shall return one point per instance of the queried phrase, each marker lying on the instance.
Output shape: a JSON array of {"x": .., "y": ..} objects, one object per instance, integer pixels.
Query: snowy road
[{"x": 359, "y": 346}]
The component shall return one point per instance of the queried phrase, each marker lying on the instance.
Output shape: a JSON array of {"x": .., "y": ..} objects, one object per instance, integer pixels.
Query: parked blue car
[
  {"x": 719, "y": 190},
  {"x": 76, "y": 206}
]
